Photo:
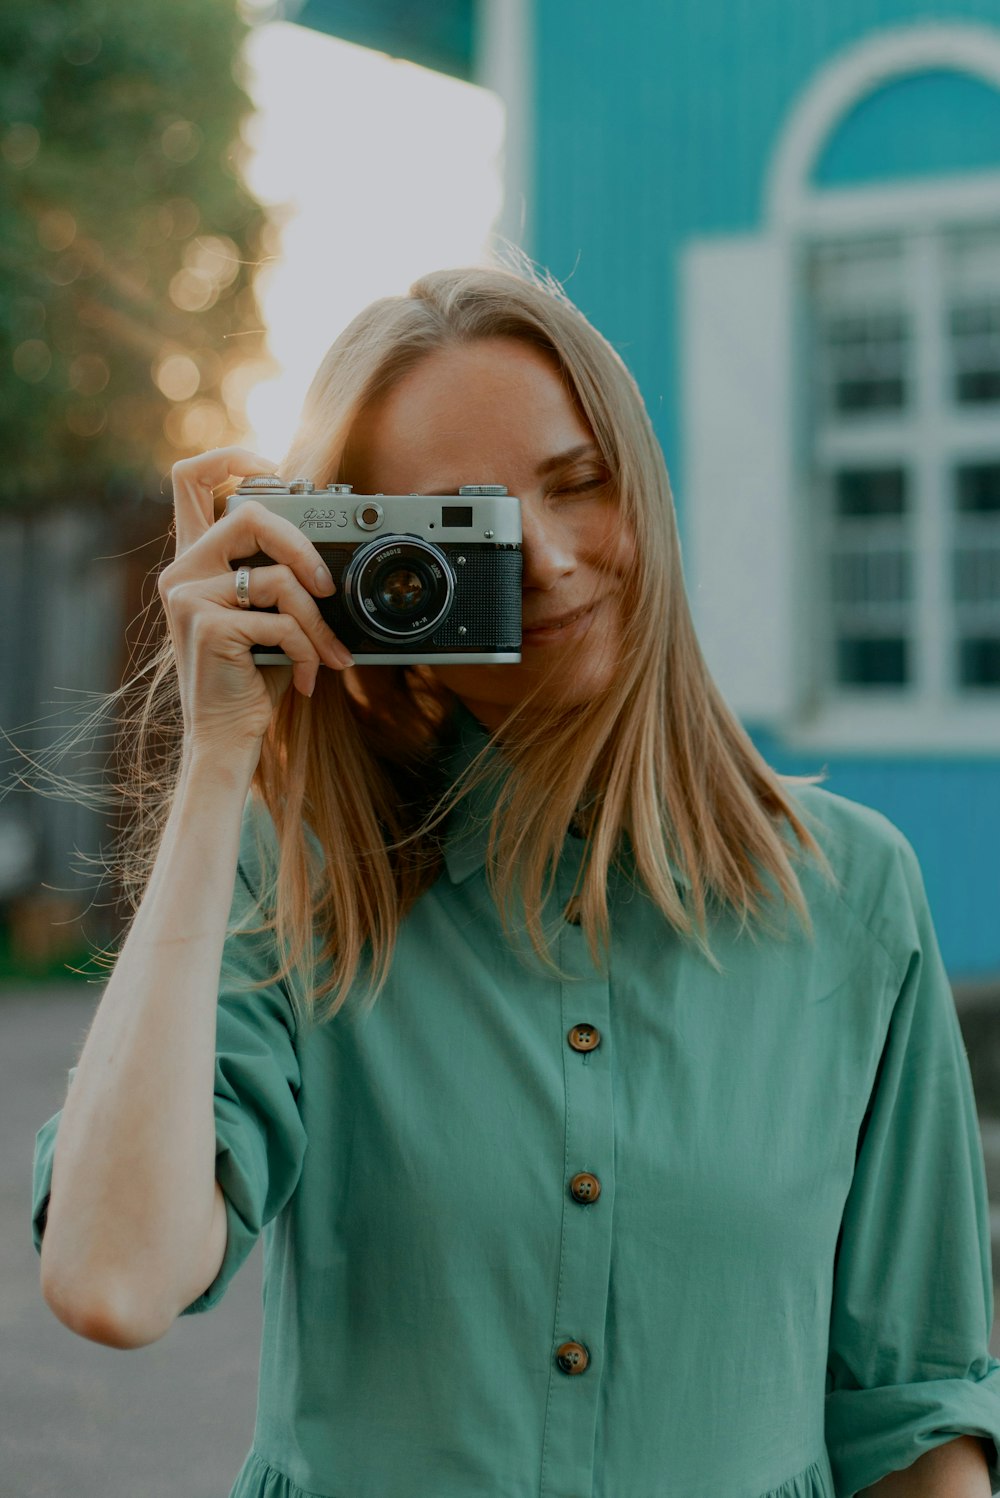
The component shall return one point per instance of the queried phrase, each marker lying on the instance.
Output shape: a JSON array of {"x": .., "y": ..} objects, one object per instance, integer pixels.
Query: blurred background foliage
[{"x": 129, "y": 326}]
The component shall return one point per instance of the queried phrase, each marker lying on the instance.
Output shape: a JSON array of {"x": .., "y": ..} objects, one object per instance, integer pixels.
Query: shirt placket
[{"x": 577, "y": 1349}]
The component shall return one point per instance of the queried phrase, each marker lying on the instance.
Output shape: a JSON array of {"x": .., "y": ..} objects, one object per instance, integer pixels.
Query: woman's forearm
[
  {"x": 956, "y": 1469},
  {"x": 133, "y": 1195}
]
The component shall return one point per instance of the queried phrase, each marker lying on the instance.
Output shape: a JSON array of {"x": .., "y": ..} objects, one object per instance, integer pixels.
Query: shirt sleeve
[
  {"x": 908, "y": 1365},
  {"x": 260, "y": 1136}
]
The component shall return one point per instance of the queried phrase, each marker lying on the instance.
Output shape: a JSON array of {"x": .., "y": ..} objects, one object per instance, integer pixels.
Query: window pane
[
  {"x": 870, "y": 491},
  {"x": 976, "y": 573},
  {"x": 972, "y": 280},
  {"x": 861, "y": 327},
  {"x": 975, "y": 346},
  {"x": 870, "y": 574},
  {"x": 864, "y": 362},
  {"x": 979, "y": 662},
  {"x": 870, "y": 578},
  {"x": 978, "y": 487},
  {"x": 872, "y": 662}
]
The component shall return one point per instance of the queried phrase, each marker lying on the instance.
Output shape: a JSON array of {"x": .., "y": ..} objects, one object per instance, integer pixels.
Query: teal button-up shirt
[{"x": 653, "y": 1232}]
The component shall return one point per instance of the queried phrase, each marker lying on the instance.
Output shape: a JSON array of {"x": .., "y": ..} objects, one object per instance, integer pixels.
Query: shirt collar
[{"x": 467, "y": 836}]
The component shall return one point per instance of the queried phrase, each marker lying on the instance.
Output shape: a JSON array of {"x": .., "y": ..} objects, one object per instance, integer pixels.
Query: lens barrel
[{"x": 399, "y": 588}]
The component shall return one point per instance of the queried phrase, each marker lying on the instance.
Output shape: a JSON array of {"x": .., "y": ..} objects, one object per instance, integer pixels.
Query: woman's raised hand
[{"x": 227, "y": 700}]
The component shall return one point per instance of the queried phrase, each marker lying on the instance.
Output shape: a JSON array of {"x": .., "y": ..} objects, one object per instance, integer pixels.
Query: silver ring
[{"x": 243, "y": 587}]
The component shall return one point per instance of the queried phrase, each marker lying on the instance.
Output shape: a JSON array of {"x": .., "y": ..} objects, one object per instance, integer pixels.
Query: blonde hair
[
  {"x": 658, "y": 756},
  {"x": 659, "y": 763}
]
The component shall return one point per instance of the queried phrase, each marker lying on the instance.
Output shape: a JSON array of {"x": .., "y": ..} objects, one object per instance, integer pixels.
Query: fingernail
[
  {"x": 345, "y": 656},
  {"x": 324, "y": 581}
]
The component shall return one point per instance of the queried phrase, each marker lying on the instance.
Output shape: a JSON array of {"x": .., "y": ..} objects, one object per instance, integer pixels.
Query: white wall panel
[{"x": 740, "y": 523}]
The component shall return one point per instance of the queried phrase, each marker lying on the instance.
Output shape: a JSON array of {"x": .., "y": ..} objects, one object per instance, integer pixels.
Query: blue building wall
[{"x": 658, "y": 123}]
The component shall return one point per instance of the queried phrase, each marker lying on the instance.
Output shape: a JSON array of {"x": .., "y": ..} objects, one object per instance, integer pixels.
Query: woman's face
[{"x": 497, "y": 411}]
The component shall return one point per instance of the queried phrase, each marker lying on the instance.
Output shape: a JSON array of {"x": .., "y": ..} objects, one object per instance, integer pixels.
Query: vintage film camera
[{"x": 421, "y": 578}]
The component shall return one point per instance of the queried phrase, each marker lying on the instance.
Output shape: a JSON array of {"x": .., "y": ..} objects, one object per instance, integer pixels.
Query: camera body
[{"x": 420, "y": 578}]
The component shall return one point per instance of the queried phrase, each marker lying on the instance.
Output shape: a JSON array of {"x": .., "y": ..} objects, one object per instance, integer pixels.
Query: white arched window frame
[{"x": 755, "y": 560}]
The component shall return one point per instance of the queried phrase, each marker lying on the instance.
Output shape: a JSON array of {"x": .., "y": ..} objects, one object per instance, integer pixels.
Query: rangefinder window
[{"x": 456, "y": 515}]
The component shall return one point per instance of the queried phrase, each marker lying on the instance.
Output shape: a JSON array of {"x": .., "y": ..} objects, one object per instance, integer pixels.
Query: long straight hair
[
  {"x": 349, "y": 800},
  {"x": 657, "y": 764}
]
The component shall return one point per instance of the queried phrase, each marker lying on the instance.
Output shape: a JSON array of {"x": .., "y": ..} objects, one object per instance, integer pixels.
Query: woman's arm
[
  {"x": 955, "y": 1470},
  {"x": 135, "y": 1220}
]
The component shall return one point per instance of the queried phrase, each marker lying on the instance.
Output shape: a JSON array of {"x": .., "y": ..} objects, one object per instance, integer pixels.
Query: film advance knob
[{"x": 262, "y": 481}]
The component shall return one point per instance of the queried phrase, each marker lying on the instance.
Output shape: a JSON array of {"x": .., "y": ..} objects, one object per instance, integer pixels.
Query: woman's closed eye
[{"x": 599, "y": 481}]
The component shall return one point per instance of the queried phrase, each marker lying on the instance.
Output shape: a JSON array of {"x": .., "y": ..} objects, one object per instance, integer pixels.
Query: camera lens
[
  {"x": 400, "y": 591},
  {"x": 399, "y": 587}
]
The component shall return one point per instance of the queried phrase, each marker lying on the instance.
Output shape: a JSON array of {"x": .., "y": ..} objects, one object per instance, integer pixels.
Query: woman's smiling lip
[{"x": 576, "y": 623}]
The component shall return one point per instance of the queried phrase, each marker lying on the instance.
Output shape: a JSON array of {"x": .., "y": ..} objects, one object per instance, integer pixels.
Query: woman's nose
[{"x": 547, "y": 551}]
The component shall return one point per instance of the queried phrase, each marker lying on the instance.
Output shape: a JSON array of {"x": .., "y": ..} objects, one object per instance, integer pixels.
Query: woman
[{"x": 682, "y": 1196}]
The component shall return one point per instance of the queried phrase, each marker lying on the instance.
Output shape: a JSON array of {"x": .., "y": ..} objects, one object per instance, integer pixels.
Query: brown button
[
  {"x": 572, "y": 1357},
  {"x": 584, "y": 1037},
  {"x": 585, "y": 1187}
]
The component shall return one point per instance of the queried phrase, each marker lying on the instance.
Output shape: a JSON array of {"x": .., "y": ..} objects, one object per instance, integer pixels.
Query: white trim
[
  {"x": 854, "y": 724},
  {"x": 894, "y": 205},
  {"x": 933, "y": 556},
  {"x": 505, "y": 63},
  {"x": 969, "y": 434},
  {"x": 857, "y": 71},
  {"x": 742, "y": 538}
]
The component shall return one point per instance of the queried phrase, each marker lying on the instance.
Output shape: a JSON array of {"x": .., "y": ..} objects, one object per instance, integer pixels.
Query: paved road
[{"x": 78, "y": 1420}]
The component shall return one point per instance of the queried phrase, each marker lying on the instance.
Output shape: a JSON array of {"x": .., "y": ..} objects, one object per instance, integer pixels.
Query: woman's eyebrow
[
  {"x": 566, "y": 457},
  {"x": 557, "y": 461}
]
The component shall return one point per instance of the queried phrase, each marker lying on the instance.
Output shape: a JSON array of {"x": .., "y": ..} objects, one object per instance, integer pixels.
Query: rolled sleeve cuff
[
  {"x": 41, "y": 1183},
  {"x": 872, "y": 1432},
  {"x": 242, "y": 1173},
  {"x": 240, "y": 1168}
]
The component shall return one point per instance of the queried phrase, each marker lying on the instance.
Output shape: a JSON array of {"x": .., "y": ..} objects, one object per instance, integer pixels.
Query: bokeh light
[{"x": 177, "y": 376}]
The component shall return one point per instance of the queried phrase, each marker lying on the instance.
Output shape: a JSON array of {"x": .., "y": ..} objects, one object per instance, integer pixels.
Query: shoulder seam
[
  {"x": 896, "y": 835},
  {"x": 877, "y": 941}
]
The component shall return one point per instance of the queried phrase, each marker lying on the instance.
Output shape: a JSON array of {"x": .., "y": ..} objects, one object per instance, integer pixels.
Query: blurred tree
[{"x": 129, "y": 326}]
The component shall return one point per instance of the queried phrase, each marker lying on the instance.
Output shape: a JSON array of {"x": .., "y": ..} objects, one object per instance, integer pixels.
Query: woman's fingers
[
  {"x": 195, "y": 478},
  {"x": 277, "y": 587},
  {"x": 277, "y": 631},
  {"x": 246, "y": 532},
  {"x": 225, "y": 698}
]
